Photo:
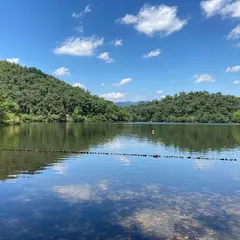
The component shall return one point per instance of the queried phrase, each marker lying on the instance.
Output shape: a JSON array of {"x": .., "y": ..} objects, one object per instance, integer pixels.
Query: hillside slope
[
  {"x": 37, "y": 96},
  {"x": 200, "y": 107}
]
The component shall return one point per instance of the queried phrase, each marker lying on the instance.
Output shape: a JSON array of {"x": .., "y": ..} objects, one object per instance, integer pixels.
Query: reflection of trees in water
[
  {"x": 46, "y": 136},
  {"x": 88, "y": 211},
  {"x": 188, "y": 137},
  {"x": 56, "y": 136},
  {"x": 197, "y": 138}
]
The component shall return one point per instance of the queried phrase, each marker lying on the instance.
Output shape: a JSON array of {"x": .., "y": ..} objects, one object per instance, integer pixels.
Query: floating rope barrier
[{"x": 116, "y": 154}]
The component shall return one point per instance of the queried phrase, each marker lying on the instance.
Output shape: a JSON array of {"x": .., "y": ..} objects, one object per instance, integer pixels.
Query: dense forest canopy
[
  {"x": 28, "y": 95},
  {"x": 200, "y": 107},
  {"x": 35, "y": 96}
]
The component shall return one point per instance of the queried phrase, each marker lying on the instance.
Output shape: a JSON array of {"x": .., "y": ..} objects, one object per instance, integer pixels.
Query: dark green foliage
[
  {"x": 29, "y": 95},
  {"x": 200, "y": 107},
  {"x": 42, "y": 97},
  {"x": 236, "y": 116},
  {"x": 9, "y": 111}
]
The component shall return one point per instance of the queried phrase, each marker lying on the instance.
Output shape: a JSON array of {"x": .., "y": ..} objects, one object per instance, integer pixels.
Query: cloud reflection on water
[
  {"x": 163, "y": 212},
  {"x": 76, "y": 193}
]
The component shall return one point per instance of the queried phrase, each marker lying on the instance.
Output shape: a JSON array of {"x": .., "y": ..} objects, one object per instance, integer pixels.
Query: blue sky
[{"x": 163, "y": 47}]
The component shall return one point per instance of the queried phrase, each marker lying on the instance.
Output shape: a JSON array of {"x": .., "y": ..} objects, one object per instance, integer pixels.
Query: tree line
[
  {"x": 29, "y": 95},
  {"x": 201, "y": 107}
]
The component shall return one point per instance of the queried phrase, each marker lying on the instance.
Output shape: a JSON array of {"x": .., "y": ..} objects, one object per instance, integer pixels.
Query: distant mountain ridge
[{"x": 128, "y": 103}]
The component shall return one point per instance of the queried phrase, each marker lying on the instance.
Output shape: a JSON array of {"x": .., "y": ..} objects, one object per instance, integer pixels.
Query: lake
[{"x": 64, "y": 196}]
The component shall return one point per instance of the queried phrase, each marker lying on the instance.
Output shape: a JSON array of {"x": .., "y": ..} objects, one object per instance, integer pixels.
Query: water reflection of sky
[
  {"x": 128, "y": 144},
  {"x": 85, "y": 197},
  {"x": 119, "y": 197}
]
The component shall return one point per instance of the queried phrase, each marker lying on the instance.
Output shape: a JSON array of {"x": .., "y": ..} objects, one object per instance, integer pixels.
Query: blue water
[{"x": 44, "y": 196}]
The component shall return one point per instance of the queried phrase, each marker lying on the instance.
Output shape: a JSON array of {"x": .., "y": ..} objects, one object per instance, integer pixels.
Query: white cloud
[
  {"x": 153, "y": 53},
  {"x": 236, "y": 82},
  {"x": 79, "y": 29},
  {"x": 105, "y": 57},
  {"x": 80, "y": 86},
  {"x": 118, "y": 43},
  {"x": 225, "y": 8},
  {"x": 235, "y": 33},
  {"x": 233, "y": 69},
  {"x": 102, "y": 84},
  {"x": 86, "y": 10},
  {"x": 77, "y": 15},
  {"x": 231, "y": 10},
  {"x": 212, "y": 7},
  {"x": 81, "y": 46},
  {"x": 12, "y": 60},
  {"x": 204, "y": 78},
  {"x": 152, "y": 20},
  {"x": 236, "y": 45},
  {"x": 159, "y": 91},
  {"x": 114, "y": 96},
  {"x": 128, "y": 19},
  {"x": 61, "y": 71},
  {"x": 122, "y": 82}
]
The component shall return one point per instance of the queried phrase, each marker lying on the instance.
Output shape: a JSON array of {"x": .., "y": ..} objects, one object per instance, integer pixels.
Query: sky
[{"x": 132, "y": 50}]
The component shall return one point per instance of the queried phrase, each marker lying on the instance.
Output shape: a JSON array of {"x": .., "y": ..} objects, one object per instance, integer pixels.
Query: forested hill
[
  {"x": 27, "y": 94},
  {"x": 200, "y": 107}
]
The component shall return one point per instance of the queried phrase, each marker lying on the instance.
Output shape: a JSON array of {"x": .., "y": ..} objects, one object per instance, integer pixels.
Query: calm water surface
[{"x": 62, "y": 196}]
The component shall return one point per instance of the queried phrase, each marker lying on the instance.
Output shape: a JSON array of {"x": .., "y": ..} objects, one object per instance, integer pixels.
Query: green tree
[{"x": 236, "y": 116}]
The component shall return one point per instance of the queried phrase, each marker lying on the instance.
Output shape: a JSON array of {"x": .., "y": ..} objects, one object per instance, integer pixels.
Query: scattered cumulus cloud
[
  {"x": 212, "y": 7},
  {"x": 12, "y": 60},
  {"x": 80, "y": 46},
  {"x": 204, "y": 78},
  {"x": 86, "y": 10},
  {"x": 236, "y": 82},
  {"x": 113, "y": 96},
  {"x": 122, "y": 82},
  {"x": 118, "y": 43},
  {"x": 153, "y": 53},
  {"x": 159, "y": 92},
  {"x": 79, "y": 29},
  {"x": 77, "y": 15},
  {"x": 80, "y": 16},
  {"x": 224, "y": 8},
  {"x": 61, "y": 71},
  {"x": 232, "y": 9},
  {"x": 105, "y": 57},
  {"x": 233, "y": 69},
  {"x": 79, "y": 85},
  {"x": 236, "y": 45},
  {"x": 155, "y": 20},
  {"x": 235, "y": 33}
]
